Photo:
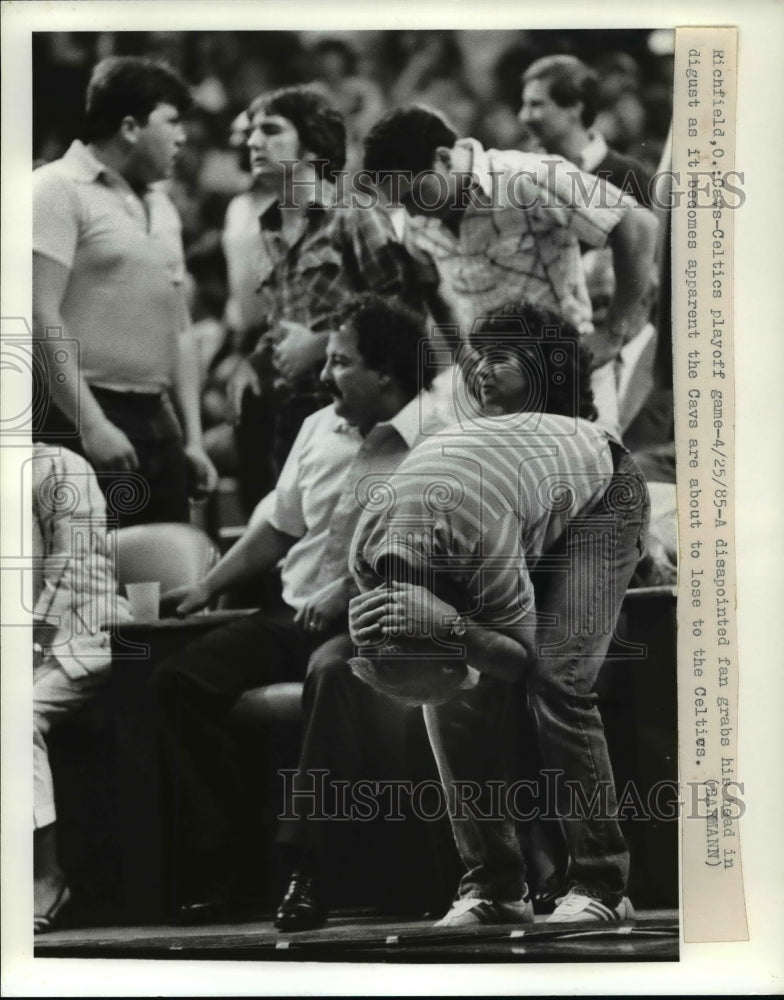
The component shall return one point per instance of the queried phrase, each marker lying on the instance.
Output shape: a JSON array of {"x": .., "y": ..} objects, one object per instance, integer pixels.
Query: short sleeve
[
  {"x": 287, "y": 513},
  {"x": 55, "y": 217}
]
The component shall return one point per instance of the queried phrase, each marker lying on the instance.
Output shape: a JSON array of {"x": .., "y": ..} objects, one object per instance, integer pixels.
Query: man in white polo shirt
[
  {"x": 306, "y": 524},
  {"x": 108, "y": 272}
]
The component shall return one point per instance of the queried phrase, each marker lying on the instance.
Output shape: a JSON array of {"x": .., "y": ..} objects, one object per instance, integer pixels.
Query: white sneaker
[
  {"x": 471, "y": 912},
  {"x": 576, "y": 906}
]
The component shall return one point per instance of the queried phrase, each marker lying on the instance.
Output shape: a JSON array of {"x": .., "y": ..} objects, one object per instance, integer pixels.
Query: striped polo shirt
[{"x": 482, "y": 506}]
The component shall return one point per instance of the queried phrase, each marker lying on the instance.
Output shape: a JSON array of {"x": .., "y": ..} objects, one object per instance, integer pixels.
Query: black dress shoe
[{"x": 301, "y": 909}]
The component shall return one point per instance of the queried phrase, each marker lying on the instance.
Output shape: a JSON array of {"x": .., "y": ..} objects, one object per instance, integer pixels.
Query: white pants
[{"x": 55, "y": 695}]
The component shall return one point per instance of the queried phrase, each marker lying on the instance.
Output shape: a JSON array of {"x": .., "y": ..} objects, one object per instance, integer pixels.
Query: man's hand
[
  {"x": 203, "y": 476},
  {"x": 315, "y": 615},
  {"x": 399, "y": 609},
  {"x": 365, "y": 613},
  {"x": 107, "y": 447},
  {"x": 195, "y": 599},
  {"x": 298, "y": 350},
  {"x": 244, "y": 377}
]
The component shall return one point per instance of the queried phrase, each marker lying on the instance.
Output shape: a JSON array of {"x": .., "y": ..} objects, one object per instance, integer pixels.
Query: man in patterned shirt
[
  {"x": 475, "y": 513},
  {"x": 75, "y": 594},
  {"x": 490, "y": 227},
  {"x": 316, "y": 254}
]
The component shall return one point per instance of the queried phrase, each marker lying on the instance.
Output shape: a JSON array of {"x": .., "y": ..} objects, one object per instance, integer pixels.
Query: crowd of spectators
[
  {"x": 474, "y": 80},
  {"x": 472, "y": 77}
]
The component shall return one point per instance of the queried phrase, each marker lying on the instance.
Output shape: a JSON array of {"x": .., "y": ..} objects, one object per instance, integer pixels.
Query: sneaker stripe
[
  {"x": 476, "y": 911},
  {"x": 577, "y": 906},
  {"x": 488, "y": 912},
  {"x": 600, "y": 911}
]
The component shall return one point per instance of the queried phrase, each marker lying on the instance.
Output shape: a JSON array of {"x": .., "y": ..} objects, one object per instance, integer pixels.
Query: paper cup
[{"x": 145, "y": 600}]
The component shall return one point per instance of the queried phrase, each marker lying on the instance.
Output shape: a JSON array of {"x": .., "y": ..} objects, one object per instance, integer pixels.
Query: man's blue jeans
[{"x": 579, "y": 596}]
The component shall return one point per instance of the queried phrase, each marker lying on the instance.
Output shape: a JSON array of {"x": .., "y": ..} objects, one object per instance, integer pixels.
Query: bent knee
[
  {"x": 564, "y": 685},
  {"x": 330, "y": 660}
]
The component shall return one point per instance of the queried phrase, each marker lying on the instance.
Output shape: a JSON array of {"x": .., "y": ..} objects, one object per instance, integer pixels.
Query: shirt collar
[
  {"x": 83, "y": 165},
  {"x": 594, "y": 152},
  {"x": 406, "y": 422},
  {"x": 339, "y": 425},
  {"x": 324, "y": 198},
  {"x": 414, "y": 420},
  {"x": 479, "y": 165}
]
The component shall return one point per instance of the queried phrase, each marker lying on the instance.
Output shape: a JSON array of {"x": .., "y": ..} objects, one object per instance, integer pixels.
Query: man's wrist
[
  {"x": 458, "y": 629},
  {"x": 453, "y": 625},
  {"x": 94, "y": 422},
  {"x": 212, "y": 589}
]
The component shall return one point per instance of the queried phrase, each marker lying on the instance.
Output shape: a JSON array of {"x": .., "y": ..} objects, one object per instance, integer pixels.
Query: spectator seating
[
  {"x": 175, "y": 555},
  {"x": 114, "y": 808}
]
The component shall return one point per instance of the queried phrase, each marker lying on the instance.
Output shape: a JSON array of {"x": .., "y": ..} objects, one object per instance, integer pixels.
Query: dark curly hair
[
  {"x": 570, "y": 82},
  {"x": 406, "y": 139},
  {"x": 389, "y": 338},
  {"x": 319, "y": 125},
  {"x": 129, "y": 85},
  {"x": 547, "y": 345}
]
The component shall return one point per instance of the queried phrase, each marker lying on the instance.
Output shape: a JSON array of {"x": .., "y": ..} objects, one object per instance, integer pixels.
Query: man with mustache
[{"x": 372, "y": 371}]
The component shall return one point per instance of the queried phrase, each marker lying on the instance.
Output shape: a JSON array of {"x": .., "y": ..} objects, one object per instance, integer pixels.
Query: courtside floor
[{"x": 653, "y": 936}]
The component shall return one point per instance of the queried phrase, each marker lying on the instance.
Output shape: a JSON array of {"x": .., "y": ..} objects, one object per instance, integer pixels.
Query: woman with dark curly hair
[{"x": 528, "y": 359}]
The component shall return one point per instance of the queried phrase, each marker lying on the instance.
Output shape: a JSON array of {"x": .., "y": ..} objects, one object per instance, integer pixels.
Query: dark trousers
[
  {"x": 196, "y": 689},
  {"x": 351, "y": 734},
  {"x": 158, "y": 490}
]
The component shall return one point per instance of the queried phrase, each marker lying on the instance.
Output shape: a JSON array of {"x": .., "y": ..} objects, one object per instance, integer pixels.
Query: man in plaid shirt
[
  {"x": 488, "y": 227},
  {"x": 317, "y": 253}
]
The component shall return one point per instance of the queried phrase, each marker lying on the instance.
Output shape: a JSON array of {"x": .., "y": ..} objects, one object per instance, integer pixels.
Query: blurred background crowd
[{"x": 472, "y": 76}]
